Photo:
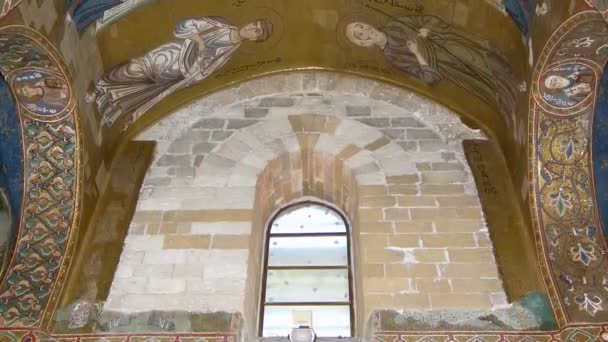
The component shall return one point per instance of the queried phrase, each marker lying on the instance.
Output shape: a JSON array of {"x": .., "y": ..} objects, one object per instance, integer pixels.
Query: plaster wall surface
[{"x": 421, "y": 241}]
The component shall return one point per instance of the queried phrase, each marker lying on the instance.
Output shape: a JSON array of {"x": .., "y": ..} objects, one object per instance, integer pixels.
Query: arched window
[{"x": 307, "y": 272}]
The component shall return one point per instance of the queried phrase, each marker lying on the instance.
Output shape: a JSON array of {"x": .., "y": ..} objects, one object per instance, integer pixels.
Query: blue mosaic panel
[
  {"x": 600, "y": 152},
  {"x": 11, "y": 157}
]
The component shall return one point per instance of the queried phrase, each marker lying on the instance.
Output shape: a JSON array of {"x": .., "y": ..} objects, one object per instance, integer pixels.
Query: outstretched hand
[
  {"x": 424, "y": 32},
  {"x": 412, "y": 45}
]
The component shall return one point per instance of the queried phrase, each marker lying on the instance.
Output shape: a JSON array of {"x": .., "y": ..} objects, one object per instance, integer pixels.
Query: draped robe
[
  {"x": 464, "y": 59},
  {"x": 142, "y": 82},
  {"x": 87, "y": 12}
]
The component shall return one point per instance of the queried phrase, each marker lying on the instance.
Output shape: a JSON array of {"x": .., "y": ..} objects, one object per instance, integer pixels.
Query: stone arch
[{"x": 220, "y": 141}]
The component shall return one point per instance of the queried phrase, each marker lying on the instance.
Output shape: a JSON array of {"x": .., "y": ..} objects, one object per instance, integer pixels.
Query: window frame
[{"x": 349, "y": 265}]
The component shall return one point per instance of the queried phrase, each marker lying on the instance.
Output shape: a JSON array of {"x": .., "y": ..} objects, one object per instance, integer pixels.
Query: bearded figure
[
  {"x": 431, "y": 50},
  {"x": 201, "y": 46},
  {"x": 576, "y": 86}
]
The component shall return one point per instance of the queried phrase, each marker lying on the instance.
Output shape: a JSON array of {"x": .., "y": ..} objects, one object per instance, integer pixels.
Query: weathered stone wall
[{"x": 398, "y": 172}]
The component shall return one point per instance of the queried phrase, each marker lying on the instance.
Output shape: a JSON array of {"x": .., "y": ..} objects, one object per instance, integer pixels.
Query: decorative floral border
[
  {"x": 570, "y": 242},
  {"x": 52, "y": 162}
]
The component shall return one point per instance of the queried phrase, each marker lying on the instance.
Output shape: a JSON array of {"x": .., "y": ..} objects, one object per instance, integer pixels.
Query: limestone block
[
  {"x": 418, "y": 134},
  {"x": 219, "y": 135},
  {"x": 233, "y": 149},
  {"x": 164, "y": 257},
  {"x": 129, "y": 285},
  {"x": 378, "y": 201},
  {"x": 189, "y": 272},
  {"x": 240, "y": 123},
  {"x": 277, "y": 102},
  {"x": 444, "y": 177},
  {"x": 210, "y": 123},
  {"x": 143, "y": 243},
  {"x": 409, "y": 146},
  {"x": 187, "y": 242},
  {"x": 372, "y": 270},
  {"x": 387, "y": 285},
  {"x": 456, "y": 301},
  {"x": 202, "y": 148},
  {"x": 433, "y": 285},
  {"x": 472, "y": 270},
  {"x": 354, "y": 110},
  {"x": 357, "y": 133},
  {"x": 442, "y": 189},
  {"x": 371, "y": 178},
  {"x": 394, "y": 133},
  {"x": 255, "y": 112},
  {"x": 389, "y": 151},
  {"x": 413, "y": 227},
  {"x": 230, "y": 242},
  {"x": 232, "y": 228},
  {"x": 270, "y": 129},
  {"x": 226, "y": 269},
  {"x": 433, "y": 146},
  {"x": 163, "y": 271},
  {"x": 403, "y": 189},
  {"x": 166, "y": 286},
  {"x": 431, "y": 255},
  {"x": 412, "y": 270},
  {"x": 384, "y": 255},
  {"x": 408, "y": 240},
  {"x": 439, "y": 240},
  {"x": 397, "y": 165},
  {"x": 397, "y": 214},
  {"x": 416, "y": 201},
  {"x": 123, "y": 271},
  {"x": 377, "y": 144},
  {"x": 375, "y": 227},
  {"x": 405, "y": 122},
  {"x": 361, "y": 158},
  {"x": 243, "y": 175},
  {"x": 411, "y": 301},
  {"x": 476, "y": 285},
  {"x": 330, "y": 145}
]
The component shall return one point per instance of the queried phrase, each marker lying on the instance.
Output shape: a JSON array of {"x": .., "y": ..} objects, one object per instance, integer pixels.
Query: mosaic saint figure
[
  {"x": 50, "y": 91},
  {"x": 575, "y": 86},
  {"x": 41, "y": 92},
  {"x": 431, "y": 50},
  {"x": 201, "y": 46},
  {"x": 86, "y": 12}
]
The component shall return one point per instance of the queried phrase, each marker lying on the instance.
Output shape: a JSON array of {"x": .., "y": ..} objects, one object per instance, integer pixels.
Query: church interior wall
[{"x": 104, "y": 195}]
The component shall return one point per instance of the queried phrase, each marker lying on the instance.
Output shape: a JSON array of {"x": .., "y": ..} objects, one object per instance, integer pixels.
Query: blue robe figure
[
  {"x": 522, "y": 12},
  {"x": 86, "y": 12}
]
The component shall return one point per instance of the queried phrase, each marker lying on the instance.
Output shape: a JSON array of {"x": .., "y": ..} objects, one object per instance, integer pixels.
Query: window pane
[
  {"x": 308, "y": 218},
  {"x": 307, "y": 286},
  {"x": 308, "y": 251},
  {"x": 327, "y": 321}
]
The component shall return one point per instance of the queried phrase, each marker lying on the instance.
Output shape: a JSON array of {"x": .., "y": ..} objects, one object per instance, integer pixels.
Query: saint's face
[
  {"x": 556, "y": 82},
  {"x": 251, "y": 31},
  {"x": 362, "y": 34},
  {"x": 30, "y": 92}
]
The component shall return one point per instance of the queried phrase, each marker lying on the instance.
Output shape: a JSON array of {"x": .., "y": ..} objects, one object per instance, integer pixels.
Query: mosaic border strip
[
  {"x": 52, "y": 161},
  {"x": 570, "y": 245}
]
